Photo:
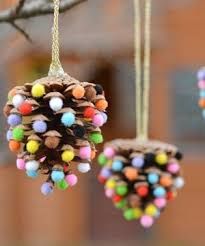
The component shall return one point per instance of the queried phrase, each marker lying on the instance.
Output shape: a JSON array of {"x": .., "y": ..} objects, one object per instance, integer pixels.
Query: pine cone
[
  {"x": 140, "y": 177},
  {"x": 54, "y": 123}
]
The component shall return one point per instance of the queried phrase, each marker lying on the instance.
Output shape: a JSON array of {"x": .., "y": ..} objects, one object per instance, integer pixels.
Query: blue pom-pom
[
  {"x": 32, "y": 174},
  {"x": 117, "y": 166},
  {"x": 159, "y": 192},
  {"x": 68, "y": 119},
  {"x": 153, "y": 178},
  {"x": 202, "y": 93},
  {"x": 46, "y": 188},
  {"x": 57, "y": 176},
  {"x": 39, "y": 126}
]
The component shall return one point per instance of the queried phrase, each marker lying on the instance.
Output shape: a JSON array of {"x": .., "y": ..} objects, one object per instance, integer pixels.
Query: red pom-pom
[
  {"x": 89, "y": 112},
  {"x": 25, "y": 108},
  {"x": 170, "y": 195},
  {"x": 101, "y": 179},
  {"x": 116, "y": 198},
  {"x": 142, "y": 191}
]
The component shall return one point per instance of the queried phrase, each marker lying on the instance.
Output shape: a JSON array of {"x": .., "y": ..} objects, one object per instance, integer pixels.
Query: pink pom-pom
[
  {"x": 146, "y": 221},
  {"x": 85, "y": 152},
  {"x": 201, "y": 84},
  {"x": 109, "y": 152},
  {"x": 109, "y": 193},
  {"x": 173, "y": 168},
  {"x": 71, "y": 179},
  {"x": 20, "y": 164},
  {"x": 160, "y": 202},
  {"x": 98, "y": 120}
]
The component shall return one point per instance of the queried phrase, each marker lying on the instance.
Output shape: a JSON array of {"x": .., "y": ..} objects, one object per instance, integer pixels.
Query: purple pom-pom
[
  {"x": 201, "y": 74},
  {"x": 14, "y": 119},
  {"x": 39, "y": 126},
  {"x": 46, "y": 188}
]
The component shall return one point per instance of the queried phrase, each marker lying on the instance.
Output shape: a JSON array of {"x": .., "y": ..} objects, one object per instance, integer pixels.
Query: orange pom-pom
[
  {"x": 131, "y": 173},
  {"x": 166, "y": 181},
  {"x": 14, "y": 146},
  {"x": 202, "y": 103},
  {"x": 78, "y": 92},
  {"x": 101, "y": 104},
  {"x": 93, "y": 154}
]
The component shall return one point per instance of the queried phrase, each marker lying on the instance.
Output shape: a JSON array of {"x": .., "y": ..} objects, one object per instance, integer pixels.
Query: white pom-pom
[
  {"x": 179, "y": 182},
  {"x": 32, "y": 165},
  {"x": 84, "y": 167},
  {"x": 56, "y": 103},
  {"x": 18, "y": 100}
]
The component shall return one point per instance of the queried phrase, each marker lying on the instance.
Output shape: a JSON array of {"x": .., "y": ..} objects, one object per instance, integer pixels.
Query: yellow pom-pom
[
  {"x": 32, "y": 146},
  {"x": 151, "y": 210},
  {"x": 67, "y": 155},
  {"x": 137, "y": 213},
  {"x": 161, "y": 159},
  {"x": 110, "y": 184},
  {"x": 38, "y": 90}
]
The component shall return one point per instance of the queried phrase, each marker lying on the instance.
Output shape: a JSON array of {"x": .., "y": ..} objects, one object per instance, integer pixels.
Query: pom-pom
[
  {"x": 89, "y": 112},
  {"x": 18, "y": 133},
  {"x": 20, "y": 164},
  {"x": 96, "y": 138},
  {"x": 14, "y": 120},
  {"x": 18, "y": 100},
  {"x": 71, "y": 179},
  {"x": 46, "y": 188},
  {"x": 39, "y": 126},
  {"x": 140, "y": 177},
  {"x": 68, "y": 119},
  {"x": 32, "y": 174},
  {"x": 9, "y": 135},
  {"x": 38, "y": 90},
  {"x": 78, "y": 92},
  {"x": 25, "y": 108},
  {"x": 56, "y": 103},
  {"x": 101, "y": 104},
  {"x": 57, "y": 176},
  {"x": 14, "y": 146},
  {"x": 85, "y": 152},
  {"x": 32, "y": 146},
  {"x": 62, "y": 185},
  {"x": 68, "y": 155},
  {"x": 84, "y": 167},
  {"x": 32, "y": 165},
  {"x": 98, "y": 120}
]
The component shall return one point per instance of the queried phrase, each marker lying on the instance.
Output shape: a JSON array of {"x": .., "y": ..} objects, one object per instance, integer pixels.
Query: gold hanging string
[
  {"x": 56, "y": 67},
  {"x": 146, "y": 72},
  {"x": 138, "y": 80},
  {"x": 142, "y": 86}
]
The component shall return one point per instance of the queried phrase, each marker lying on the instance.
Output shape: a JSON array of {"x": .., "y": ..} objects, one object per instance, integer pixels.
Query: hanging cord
[
  {"x": 138, "y": 80},
  {"x": 142, "y": 87},
  {"x": 56, "y": 67}
]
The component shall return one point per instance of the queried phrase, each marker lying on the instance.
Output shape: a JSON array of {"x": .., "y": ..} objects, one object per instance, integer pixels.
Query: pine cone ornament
[
  {"x": 201, "y": 86},
  {"x": 54, "y": 127},
  {"x": 140, "y": 177}
]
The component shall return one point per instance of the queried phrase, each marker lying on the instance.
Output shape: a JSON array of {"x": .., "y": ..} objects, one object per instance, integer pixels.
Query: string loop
[{"x": 56, "y": 67}]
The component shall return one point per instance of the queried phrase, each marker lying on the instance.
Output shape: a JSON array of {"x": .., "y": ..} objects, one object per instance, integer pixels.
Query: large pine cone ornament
[
  {"x": 140, "y": 177},
  {"x": 54, "y": 127}
]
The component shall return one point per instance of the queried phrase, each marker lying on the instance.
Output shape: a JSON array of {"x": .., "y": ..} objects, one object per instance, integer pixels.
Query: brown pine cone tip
[
  {"x": 140, "y": 177},
  {"x": 55, "y": 122}
]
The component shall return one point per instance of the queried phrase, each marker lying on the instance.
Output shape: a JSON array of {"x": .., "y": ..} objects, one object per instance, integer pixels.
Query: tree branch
[
  {"x": 35, "y": 8},
  {"x": 21, "y": 31}
]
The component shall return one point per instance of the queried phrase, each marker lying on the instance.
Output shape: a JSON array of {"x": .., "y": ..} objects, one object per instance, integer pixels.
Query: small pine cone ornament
[
  {"x": 140, "y": 177},
  {"x": 54, "y": 126}
]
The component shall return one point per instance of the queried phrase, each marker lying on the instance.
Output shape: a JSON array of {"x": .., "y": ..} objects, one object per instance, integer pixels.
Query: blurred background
[{"x": 97, "y": 46}]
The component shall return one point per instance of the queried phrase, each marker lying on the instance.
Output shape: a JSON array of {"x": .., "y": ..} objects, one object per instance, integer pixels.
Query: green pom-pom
[
  {"x": 18, "y": 134},
  {"x": 96, "y": 138},
  {"x": 62, "y": 185},
  {"x": 102, "y": 159},
  {"x": 121, "y": 204},
  {"x": 129, "y": 214},
  {"x": 121, "y": 190}
]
